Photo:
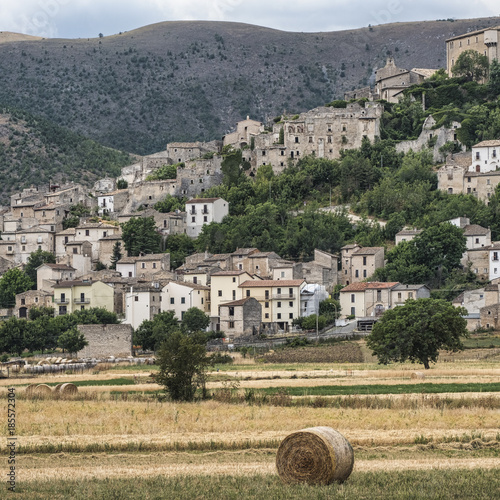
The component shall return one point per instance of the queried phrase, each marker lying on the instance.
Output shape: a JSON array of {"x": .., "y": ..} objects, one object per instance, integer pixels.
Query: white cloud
[{"x": 84, "y": 18}]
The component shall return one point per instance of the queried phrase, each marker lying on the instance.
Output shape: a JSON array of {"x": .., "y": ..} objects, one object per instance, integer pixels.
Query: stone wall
[{"x": 106, "y": 340}]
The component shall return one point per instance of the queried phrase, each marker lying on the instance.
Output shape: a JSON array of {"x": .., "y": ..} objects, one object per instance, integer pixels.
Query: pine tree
[{"x": 117, "y": 254}]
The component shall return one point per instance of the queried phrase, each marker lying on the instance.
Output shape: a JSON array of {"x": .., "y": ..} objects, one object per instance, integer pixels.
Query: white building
[
  {"x": 181, "y": 296},
  {"x": 203, "y": 211},
  {"x": 494, "y": 261},
  {"x": 485, "y": 157},
  {"x": 142, "y": 303},
  {"x": 310, "y": 297}
]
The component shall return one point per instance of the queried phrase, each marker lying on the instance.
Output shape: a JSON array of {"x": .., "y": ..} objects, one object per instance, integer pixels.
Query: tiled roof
[
  {"x": 229, "y": 273},
  {"x": 360, "y": 287},
  {"x": 409, "y": 287},
  {"x": 59, "y": 267},
  {"x": 271, "y": 283},
  {"x": 203, "y": 200},
  {"x": 70, "y": 284},
  {"x": 245, "y": 251},
  {"x": 487, "y": 144},
  {"x": 475, "y": 230},
  {"x": 236, "y": 302},
  {"x": 368, "y": 250}
]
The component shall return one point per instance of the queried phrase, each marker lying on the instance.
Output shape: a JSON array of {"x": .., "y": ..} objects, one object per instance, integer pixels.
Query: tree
[
  {"x": 151, "y": 333},
  {"x": 116, "y": 255},
  {"x": 195, "y": 320},
  {"x": 183, "y": 362},
  {"x": 35, "y": 260},
  {"x": 417, "y": 331},
  {"x": 12, "y": 333},
  {"x": 230, "y": 166},
  {"x": 139, "y": 235},
  {"x": 121, "y": 184},
  {"x": 472, "y": 65},
  {"x": 494, "y": 78},
  {"x": 72, "y": 340},
  {"x": 14, "y": 281}
]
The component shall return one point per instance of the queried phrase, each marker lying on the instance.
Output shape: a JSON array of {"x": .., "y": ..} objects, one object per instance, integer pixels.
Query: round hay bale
[
  {"x": 418, "y": 375},
  {"x": 68, "y": 389},
  {"x": 57, "y": 388},
  {"x": 318, "y": 455},
  {"x": 30, "y": 389},
  {"x": 42, "y": 390}
]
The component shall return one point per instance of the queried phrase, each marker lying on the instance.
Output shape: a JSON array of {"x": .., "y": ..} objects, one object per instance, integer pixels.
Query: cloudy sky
[{"x": 88, "y": 18}]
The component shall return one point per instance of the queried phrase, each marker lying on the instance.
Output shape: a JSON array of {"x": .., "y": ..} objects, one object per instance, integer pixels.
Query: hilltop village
[{"x": 249, "y": 291}]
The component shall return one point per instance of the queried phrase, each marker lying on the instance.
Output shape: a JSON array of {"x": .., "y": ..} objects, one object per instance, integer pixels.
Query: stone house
[
  {"x": 477, "y": 236},
  {"x": 142, "y": 303},
  {"x": 367, "y": 299},
  {"x": 280, "y": 300},
  {"x": 106, "y": 340},
  {"x": 484, "y": 41},
  {"x": 225, "y": 287},
  {"x": 112, "y": 202},
  {"x": 48, "y": 275},
  {"x": 93, "y": 232},
  {"x": 242, "y": 136},
  {"x": 180, "y": 296},
  {"x": 406, "y": 234},
  {"x": 32, "y": 298},
  {"x": 473, "y": 301},
  {"x": 166, "y": 223},
  {"x": 79, "y": 256},
  {"x": 62, "y": 238},
  {"x": 17, "y": 247},
  {"x": 106, "y": 246},
  {"x": 359, "y": 263},
  {"x": 401, "y": 293},
  {"x": 201, "y": 211},
  {"x": 240, "y": 318},
  {"x": 143, "y": 266},
  {"x": 70, "y": 296},
  {"x": 494, "y": 261},
  {"x": 51, "y": 216},
  {"x": 323, "y": 270},
  {"x": 239, "y": 259},
  {"x": 69, "y": 194}
]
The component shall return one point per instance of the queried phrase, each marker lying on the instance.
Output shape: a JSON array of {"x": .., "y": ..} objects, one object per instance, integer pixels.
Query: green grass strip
[{"x": 422, "y": 388}]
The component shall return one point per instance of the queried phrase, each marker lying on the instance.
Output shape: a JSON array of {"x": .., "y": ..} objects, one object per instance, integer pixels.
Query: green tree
[
  {"x": 35, "y": 260},
  {"x": 195, "y": 320},
  {"x": 417, "y": 331},
  {"x": 170, "y": 204},
  {"x": 494, "y": 78},
  {"x": 151, "y": 333},
  {"x": 183, "y": 363},
  {"x": 179, "y": 246},
  {"x": 230, "y": 166},
  {"x": 121, "y": 184},
  {"x": 14, "y": 281},
  {"x": 471, "y": 65},
  {"x": 72, "y": 340},
  {"x": 116, "y": 255},
  {"x": 12, "y": 338},
  {"x": 139, "y": 235}
]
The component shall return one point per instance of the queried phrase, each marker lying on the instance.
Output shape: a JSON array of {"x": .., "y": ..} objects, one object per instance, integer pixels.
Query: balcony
[
  {"x": 81, "y": 301},
  {"x": 61, "y": 301},
  {"x": 288, "y": 296}
]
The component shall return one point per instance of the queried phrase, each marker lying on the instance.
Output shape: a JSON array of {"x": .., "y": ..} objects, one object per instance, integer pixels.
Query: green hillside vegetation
[
  {"x": 186, "y": 81},
  {"x": 36, "y": 151}
]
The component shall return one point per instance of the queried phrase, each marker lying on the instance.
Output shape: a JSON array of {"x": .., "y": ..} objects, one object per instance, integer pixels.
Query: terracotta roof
[
  {"x": 360, "y": 287},
  {"x": 259, "y": 255},
  {"x": 487, "y": 144},
  {"x": 203, "y": 200},
  {"x": 475, "y": 230},
  {"x": 229, "y": 273},
  {"x": 271, "y": 283}
]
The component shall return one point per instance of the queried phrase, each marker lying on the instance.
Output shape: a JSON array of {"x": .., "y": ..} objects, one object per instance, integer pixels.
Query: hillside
[
  {"x": 179, "y": 81},
  {"x": 35, "y": 151}
]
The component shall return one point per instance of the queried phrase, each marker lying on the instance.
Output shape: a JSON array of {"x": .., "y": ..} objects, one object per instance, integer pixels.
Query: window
[
  {"x": 353, "y": 311},
  {"x": 231, "y": 324},
  {"x": 205, "y": 218},
  {"x": 379, "y": 295},
  {"x": 290, "y": 292},
  {"x": 219, "y": 293},
  {"x": 36, "y": 300},
  {"x": 248, "y": 293},
  {"x": 290, "y": 304},
  {"x": 136, "y": 298},
  {"x": 364, "y": 261},
  {"x": 310, "y": 140},
  {"x": 172, "y": 300},
  {"x": 154, "y": 265},
  {"x": 410, "y": 295},
  {"x": 353, "y": 297},
  {"x": 296, "y": 140},
  {"x": 266, "y": 305},
  {"x": 263, "y": 152},
  {"x": 193, "y": 219},
  {"x": 231, "y": 311},
  {"x": 24, "y": 248},
  {"x": 266, "y": 315},
  {"x": 356, "y": 273},
  {"x": 234, "y": 280},
  {"x": 143, "y": 265},
  {"x": 478, "y": 155},
  {"x": 23, "y": 302},
  {"x": 234, "y": 294},
  {"x": 282, "y": 274},
  {"x": 290, "y": 315},
  {"x": 279, "y": 304},
  {"x": 364, "y": 273},
  {"x": 183, "y": 300},
  {"x": 399, "y": 295},
  {"x": 495, "y": 255},
  {"x": 129, "y": 273},
  {"x": 87, "y": 232},
  {"x": 279, "y": 315},
  {"x": 477, "y": 240}
]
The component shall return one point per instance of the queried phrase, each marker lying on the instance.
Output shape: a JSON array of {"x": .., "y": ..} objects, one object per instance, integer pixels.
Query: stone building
[
  {"x": 484, "y": 41},
  {"x": 48, "y": 275},
  {"x": 106, "y": 340},
  {"x": 30, "y": 299},
  {"x": 406, "y": 234},
  {"x": 245, "y": 131},
  {"x": 240, "y": 318},
  {"x": 359, "y": 263}
]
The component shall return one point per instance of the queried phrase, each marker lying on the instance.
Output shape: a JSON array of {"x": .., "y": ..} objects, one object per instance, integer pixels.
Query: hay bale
[
  {"x": 68, "y": 389},
  {"x": 318, "y": 455},
  {"x": 42, "y": 390},
  {"x": 418, "y": 375},
  {"x": 30, "y": 389},
  {"x": 57, "y": 388}
]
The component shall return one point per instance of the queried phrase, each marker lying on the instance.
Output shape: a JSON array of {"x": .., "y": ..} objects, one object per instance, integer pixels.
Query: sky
[{"x": 88, "y": 18}]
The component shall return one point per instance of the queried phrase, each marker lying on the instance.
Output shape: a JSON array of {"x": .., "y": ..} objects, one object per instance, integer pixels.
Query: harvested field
[{"x": 349, "y": 352}]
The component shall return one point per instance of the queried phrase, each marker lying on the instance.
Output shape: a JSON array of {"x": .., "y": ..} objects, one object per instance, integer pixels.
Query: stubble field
[{"x": 117, "y": 441}]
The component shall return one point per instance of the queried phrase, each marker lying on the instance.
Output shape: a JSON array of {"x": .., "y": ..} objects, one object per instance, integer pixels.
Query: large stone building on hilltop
[{"x": 484, "y": 41}]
